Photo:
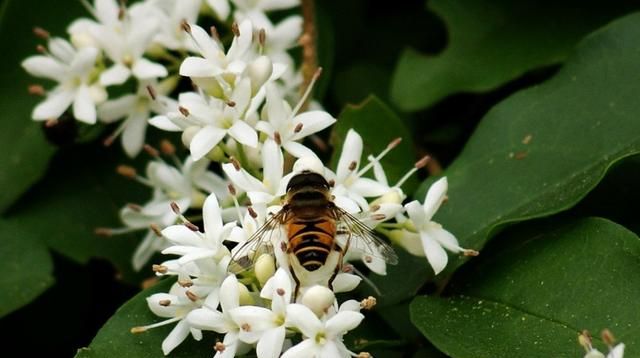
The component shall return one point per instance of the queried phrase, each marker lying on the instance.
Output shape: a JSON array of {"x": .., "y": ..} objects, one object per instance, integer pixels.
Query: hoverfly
[{"x": 318, "y": 234}]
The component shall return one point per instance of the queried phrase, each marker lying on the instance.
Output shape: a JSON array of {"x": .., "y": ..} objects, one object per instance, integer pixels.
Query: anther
[
  {"x": 378, "y": 217},
  {"x": 235, "y": 29},
  {"x": 51, "y": 122},
  {"x": 368, "y": 303},
  {"x": 236, "y": 164},
  {"x": 232, "y": 189},
  {"x": 191, "y": 296},
  {"x": 185, "y": 283},
  {"x": 219, "y": 347},
  {"x": 134, "y": 207},
  {"x": 185, "y": 26},
  {"x": 348, "y": 268},
  {"x": 109, "y": 140},
  {"x": 353, "y": 165},
  {"x": 156, "y": 230},
  {"x": 422, "y": 162},
  {"x": 136, "y": 330},
  {"x": 160, "y": 268},
  {"x": 230, "y": 103},
  {"x": 184, "y": 111},
  {"x": 152, "y": 92},
  {"x": 164, "y": 303},
  {"x": 364, "y": 355},
  {"x": 167, "y": 148},
  {"x": 607, "y": 337},
  {"x": 368, "y": 259},
  {"x": 298, "y": 128},
  {"x": 246, "y": 327},
  {"x": 41, "y": 49},
  {"x": 374, "y": 208},
  {"x": 176, "y": 208},
  {"x": 191, "y": 226},
  {"x": 41, "y": 33},
  {"x": 252, "y": 212},
  {"x": 277, "y": 138},
  {"x": 153, "y": 152},
  {"x": 121, "y": 13},
  {"x": 126, "y": 171},
  {"x": 469, "y": 252},
  {"x": 394, "y": 143},
  {"x": 585, "y": 340},
  {"x": 280, "y": 291},
  {"x": 103, "y": 231},
  {"x": 214, "y": 33},
  {"x": 262, "y": 37},
  {"x": 36, "y": 90}
]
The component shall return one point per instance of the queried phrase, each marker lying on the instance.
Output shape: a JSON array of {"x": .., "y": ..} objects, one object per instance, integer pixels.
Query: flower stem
[{"x": 308, "y": 41}]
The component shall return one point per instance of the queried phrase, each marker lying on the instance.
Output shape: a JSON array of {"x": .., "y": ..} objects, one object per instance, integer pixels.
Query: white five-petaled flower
[
  {"x": 171, "y": 14},
  {"x": 124, "y": 35},
  {"x": 614, "y": 352},
  {"x": 205, "y": 120},
  {"x": 73, "y": 69},
  {"x": 433, "y": 237},
  {"x": 136, "y": 108},
  {"x": 286, "y": 127},
  {"x": 322, "y": 338}
]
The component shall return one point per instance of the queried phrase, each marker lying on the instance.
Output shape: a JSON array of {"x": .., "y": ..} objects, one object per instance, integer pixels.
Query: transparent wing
[
  {"x": 244, "y": 256},
  {"x": 362, "y": 239}
]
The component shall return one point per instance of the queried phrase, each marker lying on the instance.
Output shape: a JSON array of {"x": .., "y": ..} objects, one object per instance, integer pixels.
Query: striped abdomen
[{"x": 311, "y": 241}]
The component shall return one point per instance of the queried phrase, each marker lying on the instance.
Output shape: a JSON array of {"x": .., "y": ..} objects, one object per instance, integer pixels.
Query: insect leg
[{"x": 297, "y": 282}]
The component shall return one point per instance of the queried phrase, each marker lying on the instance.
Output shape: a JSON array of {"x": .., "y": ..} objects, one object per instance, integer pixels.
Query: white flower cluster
[
  {"x": 137, "y": 50},
  {"x": 615, "y": 350}
]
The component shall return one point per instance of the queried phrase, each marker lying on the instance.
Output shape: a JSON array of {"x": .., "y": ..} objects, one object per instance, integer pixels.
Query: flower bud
[
  {"x": 188, "y": 134},
  {"x": 82, "y": 40},
  {"x": 410, "y": 241},
  {"x": 308, "y": 163},
  {"x": 244, "y": 295},
  {"x": 259, "y": 72},
  {"x": 197, "y": 199},
  {"x": 390, "y": 197},
  {"x": 217, "y": 155},
  {"x": 265, "y": 268},
  {"x": 319, "y": 299}
]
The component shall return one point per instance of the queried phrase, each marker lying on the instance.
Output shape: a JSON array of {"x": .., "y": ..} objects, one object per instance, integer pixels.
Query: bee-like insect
[{"x": 318, "y": 234}]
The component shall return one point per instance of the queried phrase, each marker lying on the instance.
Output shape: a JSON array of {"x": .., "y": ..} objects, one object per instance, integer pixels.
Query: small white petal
[
  {"x": 54, "y": 105},
  {"x": 149, "y": 245},
  {"x": 435, "y": 197},
  {"x": 445, "y": 238},
  {"x": 115, "y": 75},
  {"x": 368, "y": 187},
  {"x": 312, "y": 122},
  {"x": 144, "y": 69},
  {"x": 207, "y": 46},
  {"x": 270, "y": 5},
  {"x": 298, "y": 150},
  {"x": 84, "y": 109},
  {"x": 133, "y": 134},
  {"x": 198, "y": 67},
  {"x": 243, "y": 133},
  {"x": 205, "y": 140},
  {"x": 164, "y": 123},
  {"x": 220, "y": 7},
  {"x": 229, "y": 295},
  {"x": 46, "y": 67},
  {"x": 242, "y": 179},
  {"x": 330, "y": 350},
  {"x": 617, "y": 351},
  {"x": 435, "y": 254},
  {"x": 84, "y": 61},
  {"x": 342, "y": 322},
  {"x": 286, "y": 32},
  {"x": 345, "y": 282},
  {"x": 301, "y": 317},
  {"x": 351, "y": 152},
  {"x": 270, "y": 345},
  {"x": 306, "y": 348},
  {"x": 212, "y": 216},
  {"x": 107, "y": 11},
  {"x": 206, "y": 319},
  {"x": 115, "y": 109},
  {"x": 181, "y": 235},
  {"x": 61, "y": 49},
  {"x": 416, "y": 213},
  {"x": 175, "y": 337}
]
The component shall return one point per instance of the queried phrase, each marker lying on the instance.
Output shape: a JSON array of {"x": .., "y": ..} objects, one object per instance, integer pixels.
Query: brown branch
[{"x": 308, "y": 42}]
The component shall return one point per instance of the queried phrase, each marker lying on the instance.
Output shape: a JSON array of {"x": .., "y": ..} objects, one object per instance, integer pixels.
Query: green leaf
[
  {"x": 378, "y": 126},
  {"x": 78, "y": 194},
  {"x": 543, "y": 149},
  {"x": 535, "y": 294},
  {"x": 115, "y": 339},
  {"x": 490, "y": 45},
  {"x": 26, "y": 266},
  {"x": 26, "y": 152}
]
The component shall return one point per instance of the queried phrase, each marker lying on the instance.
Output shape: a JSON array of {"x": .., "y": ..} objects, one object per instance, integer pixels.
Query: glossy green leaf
[
  {"x": 537, "y": 291},
  {"x": 492, "y": 44},
  {"x": 25, "y": 151},
  {"x": 543, "y": 149},
  {"x": 78, "y": 194},
  {"x": 26, "y": 266},
  {"x": 378, "y": 125},
  {"x": 116, "y": 340}
]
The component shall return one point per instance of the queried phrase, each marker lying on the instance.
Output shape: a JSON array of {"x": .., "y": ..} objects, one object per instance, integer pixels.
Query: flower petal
[
  {"x": 242, "y": 43},
  {"x": 242, "y": 179},
  {"x": 115, "y": 75},
  {"x": 206, "y": 319},
  {"x": 368, "y": 187},
  {"x": 416, "y": 213},
  {"x": 345, "y": 282},
  {"x": 45, "y": 67},
  {"x": 435, "y": 196},
  {"x": 342, "y": 322},
  {"x": 84, "y": 61},
  {"x": 312, "y": 122},
  {"x": 181, "y": 235},
  {"x": 445, "y": 238},
  {"x": 175, "y": 337},
  {"x": 198, "y": 67},
  {"x": 164, "y": 123},
  {"x": 144, "y": 69},
  {"x": 134, "y": 133},
  {"x": 229, "y": 295},
  {"x": 243, "y": 133},
  {"x": 112, "y": 110},
  {"x": 54, "y": 105},
  {"x": 84, "y": 109},
  {"x": 306, "y": 348},
  {"x": 301, "y": 317},
  {"x": 270, "y": 344},
  {"x": 351, "y": 152},
  {"x": 211, "y": 215},
  {"x": 206, "y": 138},
  {"x": 220, "y": 7},
  {"x": 435, "y": 254},
  {"x": 298, "y": 150}
]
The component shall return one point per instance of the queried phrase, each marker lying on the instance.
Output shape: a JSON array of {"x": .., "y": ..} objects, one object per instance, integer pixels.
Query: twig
[{"x": 309, "y": 50}]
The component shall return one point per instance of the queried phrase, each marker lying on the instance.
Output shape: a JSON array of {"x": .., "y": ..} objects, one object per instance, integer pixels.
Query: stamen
[
  {"x": 110, "y": 139},
  {"x": 418, "y": 165},
  {"x": 469, "y": 252},
  {"x": 108, "y": 232},
  {"x": 585, "y": 340},
  {"x": 332, "y": 183},
  {"x": 164, "y": 303},
  {"x": 607, "y": 337},
  {"x": 126, "y": 171},
  {"x": 252, "y": 212},
  {"x": 191, "y": 226},
  {"x": 152, "y": 92},
  {"x": 262, "y": 37},
  {"x": 185, "y": 26},
  {"x": 153, "y": 152},
  {"x": 277, "y": 138},
  {"x": 141, "y": 329},
  {"x": 160, "y": 269},
  {"x": 191, "y": 296},
  {"x": 41, "y": 33},
  {"x": 236, "y": 164},
  {"x": 235, "y": 29},
  {"x": 374, "y": 208},
  {"x": 103, "y": 231},
  {"x": 364, "y": 355},
  {"x": 51, "y": 122},
  {"x": 185, "y": 283},
  {"x": 280, "y": 291},
  {"x": 378, "y": 217},
  {"x": 36, "y": 90},
  {"x": 219, "y": 347},
  {"x": 353, "y": 165},
  {"x": 307, "y": 92},
  {"x": 232, "y": 189},
  {"x": 41, "y": 49},
  {"x": 298, "y": 128},
  {"x": 176, "y": 208},
  {"x": 156, "y": 230},
  {"x": 184, "y": 111},
  {"x": 167, "y": 148},
  {"x": 368, "y": 303},
  {"x": 246, "y": 327},
  {"x": 394, "y": 143},
  {"x": 230, "y": 103},
  {"x": 214, "y": 33}
]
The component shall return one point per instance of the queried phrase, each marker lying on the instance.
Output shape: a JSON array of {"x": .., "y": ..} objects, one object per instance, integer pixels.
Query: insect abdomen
[{"x": 311, "y": 242}]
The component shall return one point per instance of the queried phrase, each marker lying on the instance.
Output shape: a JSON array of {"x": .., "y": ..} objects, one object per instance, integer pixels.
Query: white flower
[
  {"x": 322, "y": 338},
  {"x": 220, "y": 7},
  {"x": 433, "y": 237},
  {"x": 136, "y": 108},
  {"x": 272, "y": 185},
  {"x": 615, "y": 352},
  {"x": 171, "y": 14},
  {"x": 194, "y": 245},
  {"x": 73, "y": 69},
  {"x": 286, "y": 127},
  {"x": 209, "y": 120},
  {"x": 174, "y": 305}
]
